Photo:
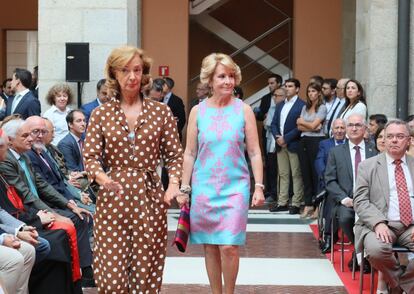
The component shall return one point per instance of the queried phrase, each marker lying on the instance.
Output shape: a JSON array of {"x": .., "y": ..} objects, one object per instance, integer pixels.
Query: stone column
[
  {"x": 104, "y": 24},
  {"x": 376, "y": 53}
]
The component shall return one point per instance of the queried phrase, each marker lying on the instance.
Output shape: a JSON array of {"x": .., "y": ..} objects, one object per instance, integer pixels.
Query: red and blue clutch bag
[{"x": 183, "y": 229}]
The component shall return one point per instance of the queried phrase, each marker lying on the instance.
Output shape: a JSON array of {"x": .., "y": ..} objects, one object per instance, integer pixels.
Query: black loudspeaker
[{"x": 77, "y": 62}]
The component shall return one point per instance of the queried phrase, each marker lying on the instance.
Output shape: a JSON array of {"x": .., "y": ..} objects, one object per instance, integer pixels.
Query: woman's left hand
[
  {"x": 258, "y": 197},
  {"x": 171, "y": 192}
]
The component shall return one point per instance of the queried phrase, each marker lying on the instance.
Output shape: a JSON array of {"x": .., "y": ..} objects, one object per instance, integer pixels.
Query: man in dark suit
[
  {"x": 47, "y": 168},
  {"x": 7, "y": 90},
  {"x": 287, "y": 136},
  {"x": 102, "y": 97},
  {"x": 24, "y": 102},
  {"x": 341, "y": 172},
  {"x": 384, "y": 203},
  {"x": 18, "y": 172},
  {"x": 71, "y": 145},
  {"x": 202, "y": 92},
  {"x": 338, "y": 138},
  {"x": 176, "y": 105}
]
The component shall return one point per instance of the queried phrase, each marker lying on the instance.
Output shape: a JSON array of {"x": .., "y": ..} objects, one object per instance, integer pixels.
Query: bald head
[
  {"x": 37, "y": 127},
  {"x": 340, "y": 88}
]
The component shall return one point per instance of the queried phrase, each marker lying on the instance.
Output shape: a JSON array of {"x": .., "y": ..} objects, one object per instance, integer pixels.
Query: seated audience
[
  {"x": 385, "y": 208},
  {"x": 338, "y": 138},
  {"x": 16, "y": 262},
  {"x": 341, "y": 173},
  {"x": 48, "y": 169},
  {"x": 33, "y": 189},
  {"x": 59, "y": 97}
]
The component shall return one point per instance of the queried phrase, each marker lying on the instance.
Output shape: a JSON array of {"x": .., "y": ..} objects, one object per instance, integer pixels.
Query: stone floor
[{"x": 281, "y": 256}]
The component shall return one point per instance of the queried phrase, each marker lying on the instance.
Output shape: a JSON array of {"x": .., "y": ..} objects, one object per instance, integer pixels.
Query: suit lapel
[
  {"x": 382, "y": 173},
  {"x": 348, "y": 160},
  {"x": 21, "y": 103},
  {"x": 410, "y": 163},
  {"x": 290, "y": 114}
]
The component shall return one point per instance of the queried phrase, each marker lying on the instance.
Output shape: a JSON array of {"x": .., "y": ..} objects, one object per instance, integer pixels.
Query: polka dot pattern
[{"x": 131, "y": 228}]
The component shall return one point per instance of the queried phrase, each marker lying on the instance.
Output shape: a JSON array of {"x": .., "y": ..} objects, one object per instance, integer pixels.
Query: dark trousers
[
  {"x": 346, "y": 221},
  {"x": 82, "y": 228},
  {"x": 308, "y": 150},
  {"x": 271, "y": 174}
]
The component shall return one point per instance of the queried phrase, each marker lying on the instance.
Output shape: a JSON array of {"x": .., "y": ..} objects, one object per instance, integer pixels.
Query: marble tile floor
[{"x": 281, "y": 256}]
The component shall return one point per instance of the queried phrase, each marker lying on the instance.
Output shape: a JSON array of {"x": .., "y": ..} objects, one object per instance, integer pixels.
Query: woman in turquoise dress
[{"x": 219, "y": 131}]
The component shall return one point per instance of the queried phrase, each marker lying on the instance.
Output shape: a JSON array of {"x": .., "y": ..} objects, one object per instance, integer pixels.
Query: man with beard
[{"x": 18, "y": 172}]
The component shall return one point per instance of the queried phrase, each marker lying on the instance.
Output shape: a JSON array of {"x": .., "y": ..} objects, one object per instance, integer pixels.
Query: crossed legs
[{"x": 222, "y": 263}]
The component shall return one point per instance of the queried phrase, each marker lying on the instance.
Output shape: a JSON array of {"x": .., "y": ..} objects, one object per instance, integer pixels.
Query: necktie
[
  {"x": 357, "y": 159},
  {"x": 14, "y": 104},
  {"x": 80, "y": 142},
  {"x": 32, "y": 186},
  {"x": 406, "y": 215}
]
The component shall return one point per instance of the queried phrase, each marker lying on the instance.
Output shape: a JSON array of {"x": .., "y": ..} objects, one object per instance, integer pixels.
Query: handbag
[
  {"x": 183, "y": 229},
  {"x": 13, "y": 197}
]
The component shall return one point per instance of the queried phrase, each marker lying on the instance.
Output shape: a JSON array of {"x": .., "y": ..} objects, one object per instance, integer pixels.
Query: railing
[{"x": 256, "y": 61}]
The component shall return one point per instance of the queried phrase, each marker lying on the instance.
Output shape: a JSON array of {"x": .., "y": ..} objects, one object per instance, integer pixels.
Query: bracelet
[
  {"x": 186, "y": 189},
  {"x": 259, "y": 185}
]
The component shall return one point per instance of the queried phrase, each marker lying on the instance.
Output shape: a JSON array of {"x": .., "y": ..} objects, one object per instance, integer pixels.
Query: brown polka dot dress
[{"x": 131, "y": 228}]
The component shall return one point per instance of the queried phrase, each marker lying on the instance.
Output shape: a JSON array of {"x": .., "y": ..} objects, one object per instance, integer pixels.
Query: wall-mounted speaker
[{"x": 77, "y": 62}]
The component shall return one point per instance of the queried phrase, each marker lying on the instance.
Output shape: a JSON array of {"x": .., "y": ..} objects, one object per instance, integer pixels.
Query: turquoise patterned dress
[{"x": 220, "y": 180}]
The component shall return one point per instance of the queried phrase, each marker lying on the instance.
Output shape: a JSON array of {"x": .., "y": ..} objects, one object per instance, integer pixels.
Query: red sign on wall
[{"x": 164, "y": 70}]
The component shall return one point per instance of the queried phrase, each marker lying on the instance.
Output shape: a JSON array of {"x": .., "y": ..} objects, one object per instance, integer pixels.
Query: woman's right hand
[
  {"x": 113, "y": 186},
  {"x": 182, "y": 199}
]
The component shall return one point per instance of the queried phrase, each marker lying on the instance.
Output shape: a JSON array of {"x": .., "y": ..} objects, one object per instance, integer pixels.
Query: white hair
[{"x": 12, "y": 127}]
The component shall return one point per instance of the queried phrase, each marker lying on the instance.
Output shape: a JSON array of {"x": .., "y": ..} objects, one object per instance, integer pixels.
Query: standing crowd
[{"x": 85, "y": 192}]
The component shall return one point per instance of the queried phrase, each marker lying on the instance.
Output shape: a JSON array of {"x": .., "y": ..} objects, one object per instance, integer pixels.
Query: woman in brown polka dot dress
[{"x": 128, "y": 136}]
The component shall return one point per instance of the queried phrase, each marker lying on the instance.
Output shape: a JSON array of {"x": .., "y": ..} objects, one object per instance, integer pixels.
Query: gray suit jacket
[
  {"x": 8, "y": 223},
  {"x": 15, "y": 176},
  {"x": 339, "y": 177},
  {"x": 372, "y": 195}
]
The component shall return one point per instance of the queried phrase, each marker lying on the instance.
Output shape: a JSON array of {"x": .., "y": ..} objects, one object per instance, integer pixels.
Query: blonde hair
[
  {"x": 210, "y": 62},
  {"x": 120, "y": 57}
]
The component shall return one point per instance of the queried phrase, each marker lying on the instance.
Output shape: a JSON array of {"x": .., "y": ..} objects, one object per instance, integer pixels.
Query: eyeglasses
[
  {"x": 357, "y": 125},
  {"x": 36, "y": 132},
  {"x": 125, "y": 71},
  {"x": 398, "y": 136},
  {"x": 326, "y": 88}
]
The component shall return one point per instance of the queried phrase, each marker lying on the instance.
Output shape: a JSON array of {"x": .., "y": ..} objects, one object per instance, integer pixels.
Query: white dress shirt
[
  {"x": 58, "y": 118},
  {"x": 17, "y": 98},
  {"x": 285, "y": 112},
  {"x": 353, "y": 151},
  {"x": 394, "y": 206}
]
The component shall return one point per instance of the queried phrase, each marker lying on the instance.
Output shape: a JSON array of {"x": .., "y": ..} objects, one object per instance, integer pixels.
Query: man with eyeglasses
[
  {"x": 342, "y": 171},
  {"x": 384, "y": 202}
]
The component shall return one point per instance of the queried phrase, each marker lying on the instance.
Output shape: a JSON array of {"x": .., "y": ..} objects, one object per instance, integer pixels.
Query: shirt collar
[
  {"x": 75, "y": 137},
  {"x": 361, "y": 145},
  {"x": 292, "y": 100},
  {"x": 22, "y": 93},
  {"x": 55, "y": 109},
  {"x": 390, "y": 160},
  {"x": 15, "y": 154}
]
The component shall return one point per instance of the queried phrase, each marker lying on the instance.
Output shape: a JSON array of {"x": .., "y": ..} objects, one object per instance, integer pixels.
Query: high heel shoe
[{"x": 315, "y": 214}]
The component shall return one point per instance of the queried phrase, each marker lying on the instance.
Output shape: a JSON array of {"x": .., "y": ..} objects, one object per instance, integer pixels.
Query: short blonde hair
[
  {"x": 210, "y": 62},
  {"x": 120, "y": 57},
  {"x": 55, "y": 90}
]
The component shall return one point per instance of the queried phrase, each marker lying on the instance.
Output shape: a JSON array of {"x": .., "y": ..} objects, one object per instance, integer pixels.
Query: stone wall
[{"x": 104, "y": 24}]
